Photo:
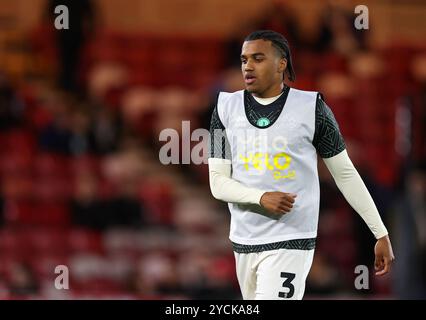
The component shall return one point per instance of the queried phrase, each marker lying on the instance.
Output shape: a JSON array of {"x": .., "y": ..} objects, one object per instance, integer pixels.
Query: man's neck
[
  {"x": 265, "y": 99},
  {"x": 273, "y": 92}
]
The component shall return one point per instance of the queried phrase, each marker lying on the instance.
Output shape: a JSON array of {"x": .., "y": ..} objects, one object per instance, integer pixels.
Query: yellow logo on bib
[{"x": 278, "y": 164}]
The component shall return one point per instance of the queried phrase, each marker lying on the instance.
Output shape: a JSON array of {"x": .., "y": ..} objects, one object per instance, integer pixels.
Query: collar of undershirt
[
  {"x": 267, "y": 101},
  {"x": 264, "y": 116}
]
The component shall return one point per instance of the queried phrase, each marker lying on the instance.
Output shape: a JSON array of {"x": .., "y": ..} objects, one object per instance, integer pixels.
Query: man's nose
[{"x": 248, "y": 66}]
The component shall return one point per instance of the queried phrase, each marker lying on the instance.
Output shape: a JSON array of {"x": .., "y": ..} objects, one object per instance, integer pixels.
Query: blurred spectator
[
  {"x": 86, "y": 208},
  {"x": 281, "y": 18},
  {"x": 4, "y": 290},
  {"x": 332, "y": 30},
  {"x": 94, "y": 129},
  {"x": 126, "y": 167},
  {"x": 324, "y": 277},
  {"x": 125, "y": 171},
  {"x": 221, "y": 282},
  {"x": 208, "y": 276},
  {"x": 155, "y": 277},
  {"x": 418, "y": 69},
  {"x": 337, "y": 31},
  {"x": 89, "y": 210},
  {"x": 410, "y": 252},
  {"x": 105, "y": 77},
  {"x": 124, "y": 211},
  {"x": 105, "y": 131},
  {"x": 11, "y": 106},
  {"x": 1, "y": 210},
  {"x": 80, "y": 133},
  {"x": 56, "y": 136},
  {"x": 22, "y": 282},
  {"x": 79, "y": 128},
  {"x": 70, "y": 42}
]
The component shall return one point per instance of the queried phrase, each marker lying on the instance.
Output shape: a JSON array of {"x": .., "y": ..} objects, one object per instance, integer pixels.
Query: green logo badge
[{"x": 263, "y": 122}]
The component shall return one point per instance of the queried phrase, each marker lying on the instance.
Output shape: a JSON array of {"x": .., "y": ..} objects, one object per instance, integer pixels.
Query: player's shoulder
[
  {"x": 227, "y": 102},
  {"x": 304, "y": 94},
  {"x": 304, "y": 97},
  {"x": 225, "y": 96}
]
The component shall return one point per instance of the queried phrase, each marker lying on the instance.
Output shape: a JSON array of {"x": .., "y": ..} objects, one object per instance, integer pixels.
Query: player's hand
[
  {"x": 278, "y": 202},
  {"x": 384, "y": 256}
]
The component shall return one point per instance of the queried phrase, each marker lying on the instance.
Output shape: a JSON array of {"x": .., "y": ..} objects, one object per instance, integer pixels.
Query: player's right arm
[{"x": 224, "y": 188}]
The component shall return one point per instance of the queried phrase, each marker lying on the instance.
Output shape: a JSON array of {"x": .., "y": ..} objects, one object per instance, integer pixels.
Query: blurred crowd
[{"x": 82, "y": 186}]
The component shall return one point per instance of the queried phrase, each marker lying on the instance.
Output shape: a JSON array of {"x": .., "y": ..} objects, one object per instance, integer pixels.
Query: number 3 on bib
[{"x": 288, "y": 278}]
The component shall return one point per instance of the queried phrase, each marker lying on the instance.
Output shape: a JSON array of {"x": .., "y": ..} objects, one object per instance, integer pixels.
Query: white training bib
[{"x": 273, "y": 157}]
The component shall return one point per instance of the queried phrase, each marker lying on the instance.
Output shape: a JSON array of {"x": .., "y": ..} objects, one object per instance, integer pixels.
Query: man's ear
[{"x": 282, "y": 65}]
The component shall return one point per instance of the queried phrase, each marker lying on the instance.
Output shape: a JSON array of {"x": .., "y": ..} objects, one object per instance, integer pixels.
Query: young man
[{"x": 263, "y": 162}]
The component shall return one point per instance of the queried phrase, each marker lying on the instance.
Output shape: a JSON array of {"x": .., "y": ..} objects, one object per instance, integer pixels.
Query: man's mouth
[{"x": 249, "y": 79}]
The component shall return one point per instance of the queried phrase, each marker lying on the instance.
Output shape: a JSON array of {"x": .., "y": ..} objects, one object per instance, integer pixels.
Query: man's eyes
[{"x": 244, "y": 61}]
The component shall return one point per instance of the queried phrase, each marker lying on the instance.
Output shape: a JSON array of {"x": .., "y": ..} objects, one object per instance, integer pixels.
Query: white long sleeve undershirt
[
  {"x": 355, "y": 192},
  {"x": 347, "y": 179},
  {"x": 224, "y": 188}
]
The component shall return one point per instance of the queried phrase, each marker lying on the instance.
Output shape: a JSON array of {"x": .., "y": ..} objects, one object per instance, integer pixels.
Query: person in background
[{"x": 70, "y": 42}]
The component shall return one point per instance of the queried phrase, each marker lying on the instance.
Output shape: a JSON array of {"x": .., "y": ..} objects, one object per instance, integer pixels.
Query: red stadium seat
[
  {"x": 158, "y": 199},
  {"x": 9, "y": 242},
  {"x": 17, "y": 141},
  {"x": 51, "y": 165},
  {"x": 45, "y": 240},
  {"x": 17, "y": 186},
  {"x": 44, "y": 265},
  {"x": 33, "y": 213},
  {"x": 81, "y": 240}
]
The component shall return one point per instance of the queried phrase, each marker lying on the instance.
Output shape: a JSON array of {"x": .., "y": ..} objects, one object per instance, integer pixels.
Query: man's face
[{"x": 262, "y": 67}]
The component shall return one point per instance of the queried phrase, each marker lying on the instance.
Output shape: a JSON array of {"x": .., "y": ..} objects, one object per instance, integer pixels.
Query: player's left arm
[
  {"x": 356, "y": 193},
  {"x": 331, "y": 147}
]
